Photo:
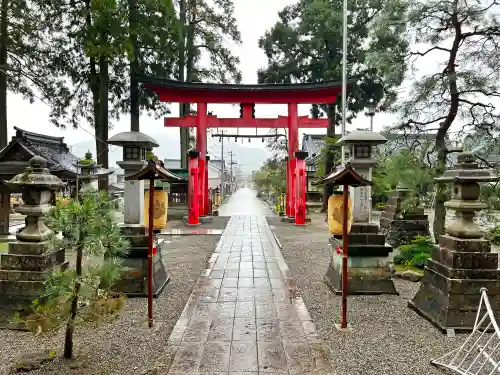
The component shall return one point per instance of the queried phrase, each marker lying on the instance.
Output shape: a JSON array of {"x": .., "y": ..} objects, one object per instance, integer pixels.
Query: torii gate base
[{"x": 247, "y": 96}]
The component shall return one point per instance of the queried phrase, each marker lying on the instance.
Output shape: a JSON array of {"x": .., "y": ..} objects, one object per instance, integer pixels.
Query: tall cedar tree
[
  {"x": 305, "y": 45},
  {"x": 461, "y": 90},
  {"x": 204, "y": 28},
  {"x": 23, "y": 47},
  {"x": 152, "y": 49},
  {"x": 99, "y": 45}
]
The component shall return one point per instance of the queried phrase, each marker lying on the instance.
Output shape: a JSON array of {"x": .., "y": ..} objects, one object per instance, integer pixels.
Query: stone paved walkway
[{"x": 239, "y": 319}]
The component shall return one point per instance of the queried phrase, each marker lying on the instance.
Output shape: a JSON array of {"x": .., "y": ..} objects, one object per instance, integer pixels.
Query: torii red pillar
[
  {"x": 193, "y": 188},
  {"x": 300, "y": 187},
  {"x": 293, "y": 145},
  {"x": 201, "y": 147},
  {"x": 287, "y": 186}
]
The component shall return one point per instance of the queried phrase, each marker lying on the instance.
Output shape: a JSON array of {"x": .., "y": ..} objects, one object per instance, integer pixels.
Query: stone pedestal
[
  {"x": 23, "y": 269},
  {"x": 449, "y": 293},
  {"x": 368, "y": 253},
  {"x": 368, "y": 262},
  {"x": 400, "y": 228},
  {"x": 134, "y": 283}
]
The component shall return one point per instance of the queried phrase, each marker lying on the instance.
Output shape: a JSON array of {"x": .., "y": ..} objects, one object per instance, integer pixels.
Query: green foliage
[
  {"x": 331, "y": 151},
  {"x": 493, "y": 235},
  {"x": 305, "y": 45},
  {"x": 403, "y": 169},
  {"x": 92, "y": 230},
  {"x": 490, "y": 194},
  {"x": 416, "y": 252}
]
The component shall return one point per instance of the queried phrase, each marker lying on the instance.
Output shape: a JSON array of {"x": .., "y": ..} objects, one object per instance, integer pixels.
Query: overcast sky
[{"x": 254, "y": 17}]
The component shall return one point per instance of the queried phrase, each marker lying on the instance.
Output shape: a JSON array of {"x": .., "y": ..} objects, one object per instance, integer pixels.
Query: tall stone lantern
[
  {"x": 23, "y": 268},
  {"x": 463, "y": 263},
  {"x": 136, "y": 146},
  {"x": 369, "y": 271}
]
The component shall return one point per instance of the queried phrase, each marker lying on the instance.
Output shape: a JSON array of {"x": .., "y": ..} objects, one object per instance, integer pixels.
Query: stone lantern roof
[
  {"x": 467, "y": 170},
  {"x": 37, "y": 177},
  {"x": 126, "y": 139},
  {"x": 362, "y": 137}
]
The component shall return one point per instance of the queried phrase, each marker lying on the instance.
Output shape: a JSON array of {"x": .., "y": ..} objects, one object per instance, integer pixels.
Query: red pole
[
  {"x": 201, "y": 147},
  {"x": 345, "y": 245},
  {"x": 193, "y": 189},
  {"x": 150, "y": 251},
  {"x": 293, "y": 145},
  {"x": 293, "y": 165},
  {"x": 300, "y": 188},
  {"x": 208, "y": 210},
  {"x": 287, "y": 184}
]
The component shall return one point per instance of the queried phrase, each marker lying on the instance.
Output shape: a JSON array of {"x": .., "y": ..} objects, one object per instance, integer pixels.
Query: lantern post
[
  {"x": 340, "y": 225},
  {"x": 154, "y": 170}
]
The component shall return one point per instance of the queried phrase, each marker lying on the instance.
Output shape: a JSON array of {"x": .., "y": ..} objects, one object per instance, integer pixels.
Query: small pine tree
[{"x": 82, "y": 293}]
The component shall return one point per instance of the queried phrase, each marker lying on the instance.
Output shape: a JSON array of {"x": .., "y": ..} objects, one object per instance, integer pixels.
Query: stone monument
[
  {"x": 463, "y": 263},
  {"x": 401, "y": 227},
  {"x": 134, "y": 283},
  {"x": 368, "y": 259},
  {"x": 28, "y": 260}
]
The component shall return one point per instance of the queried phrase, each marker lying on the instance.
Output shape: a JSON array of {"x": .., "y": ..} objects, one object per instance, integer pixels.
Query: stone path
[
  {"x": 245, "y": 202},
  {"x": 239, "y": 319}
]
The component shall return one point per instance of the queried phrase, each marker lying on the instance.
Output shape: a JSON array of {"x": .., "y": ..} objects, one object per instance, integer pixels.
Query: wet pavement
[
  {"x": 245, "y": 202},
  {"x": 240, "y": 319}
]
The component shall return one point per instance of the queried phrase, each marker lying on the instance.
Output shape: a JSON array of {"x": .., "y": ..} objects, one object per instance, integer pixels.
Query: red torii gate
[{"x": 247, "y": 96}]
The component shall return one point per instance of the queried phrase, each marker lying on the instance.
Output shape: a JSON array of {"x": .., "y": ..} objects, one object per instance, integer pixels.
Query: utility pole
[
  {"x": 222, "y": 165},
  {"x": 231, "y": 171}
]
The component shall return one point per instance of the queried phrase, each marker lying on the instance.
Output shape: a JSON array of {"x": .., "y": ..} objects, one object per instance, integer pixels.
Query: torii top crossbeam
[{"x": 305, "y": 93}]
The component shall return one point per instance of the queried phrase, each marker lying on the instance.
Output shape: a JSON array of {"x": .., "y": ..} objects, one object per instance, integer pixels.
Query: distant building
[{"x": 214, "y": 170}]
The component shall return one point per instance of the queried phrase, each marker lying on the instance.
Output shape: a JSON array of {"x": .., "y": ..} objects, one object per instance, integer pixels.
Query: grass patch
[
  {"x": 4, "y": 246},
  {"x": 402, "y": 268}
]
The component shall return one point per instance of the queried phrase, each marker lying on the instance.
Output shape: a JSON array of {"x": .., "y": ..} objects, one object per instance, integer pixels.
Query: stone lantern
[
  {"x": 369, "y": 271},
  {"x": 463, "y": 263},
  {"x": 88, "y": 174},
  {"x": 136, "y": 148},
  {"x": 23, "y": 268}
]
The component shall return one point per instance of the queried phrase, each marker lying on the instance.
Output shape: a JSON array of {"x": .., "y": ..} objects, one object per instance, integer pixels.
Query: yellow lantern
[
  {"x": 160, "y": 207},
  {"x": 336, "y": 213}
]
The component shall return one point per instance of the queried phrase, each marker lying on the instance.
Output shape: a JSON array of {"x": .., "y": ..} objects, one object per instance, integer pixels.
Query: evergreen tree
[
  {"x": 81, "y": 293},
  {"x": 305, "y": 45},
  {"x": 23, "y": 49},
  {"x": 204, "y": 26},
  {"x": 462, "y": 40}
]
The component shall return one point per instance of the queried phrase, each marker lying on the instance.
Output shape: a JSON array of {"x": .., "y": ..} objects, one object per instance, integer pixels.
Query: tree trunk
[
  {"x": 102, "y": 131},
  {"x": 4, "y": 40},
  {"x": 442, "y": 152},
  {"x": 439, "y": 209},
  {"x": 134, "y": 68},
  {"x": 70, "y": 327},
  {"x": 183, "y": 132},
  {"x": 328, "y": 157}
]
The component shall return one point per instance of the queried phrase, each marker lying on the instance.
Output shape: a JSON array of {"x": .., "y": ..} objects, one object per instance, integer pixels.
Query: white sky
[{"x": 254, "y": 17}]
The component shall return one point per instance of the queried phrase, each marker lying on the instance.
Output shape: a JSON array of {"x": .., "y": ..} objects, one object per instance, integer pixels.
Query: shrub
[
  {"x": 415, "y": 253},
  {"x": 493, "y": 235}
]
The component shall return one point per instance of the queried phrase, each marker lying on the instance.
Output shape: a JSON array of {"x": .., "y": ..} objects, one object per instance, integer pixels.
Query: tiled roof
[{"x": 53, "y": 149}]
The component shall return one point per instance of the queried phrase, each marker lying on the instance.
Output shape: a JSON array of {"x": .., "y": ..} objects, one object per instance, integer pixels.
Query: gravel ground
[
  {"x": 218, "y": 222},
  {"x": 124, "y": 346},
  {"x": 388, "y": 337}
]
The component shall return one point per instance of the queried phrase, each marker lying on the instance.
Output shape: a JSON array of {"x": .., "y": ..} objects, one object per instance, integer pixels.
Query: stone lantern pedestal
[
  {"x": 449, "y": 292},
  {"x": 401, "y": 227},
  {"x": 24, "y": 267},
  {"x": 368, "y": 259},
  {"x": 134, "y": 282}
]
